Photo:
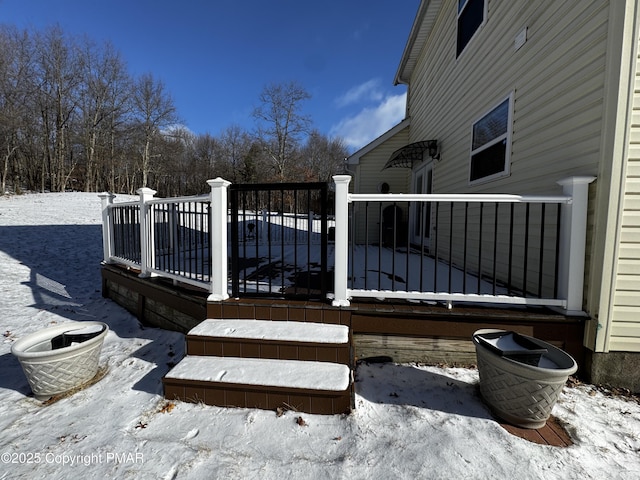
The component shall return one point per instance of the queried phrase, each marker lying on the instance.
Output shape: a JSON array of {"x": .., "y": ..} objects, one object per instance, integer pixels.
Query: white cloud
[
  {"x": 367, "y": 91},
  {"x": 371, "y": 122}
]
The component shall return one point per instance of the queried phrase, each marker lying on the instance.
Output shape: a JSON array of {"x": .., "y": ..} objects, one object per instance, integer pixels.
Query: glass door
[{"x": 421, "y": 215}]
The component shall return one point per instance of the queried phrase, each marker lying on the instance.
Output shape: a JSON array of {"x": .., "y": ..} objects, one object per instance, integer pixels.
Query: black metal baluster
[
  {"x": 395, "y": 246},
  {"x": 269, "y": 236},
  {"x": 309, "y": 235},
  {"x": 479, "y": 290},
  {"x": 510, "y": 253},
  {"x": 526, "y": 250},
  {"x": 422, "y": 233},
  {"x": 495, "y": 246},
  {"x": 450, "y": 246},
  {"x": 380, "y": 241},
  {"x": 557, "y": 259},
  {"x": 435, "y": 247},
  {"x": 464, "y": 255},
  {"x": 235, "y": 243},
  {"x": 540, "y": 266}
]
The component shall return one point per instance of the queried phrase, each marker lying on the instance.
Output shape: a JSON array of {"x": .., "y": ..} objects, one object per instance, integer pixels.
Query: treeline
[{"x": 73, "y": 117}]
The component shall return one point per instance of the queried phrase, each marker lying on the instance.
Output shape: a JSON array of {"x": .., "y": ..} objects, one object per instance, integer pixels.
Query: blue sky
[{"x": 215, "y": 57}]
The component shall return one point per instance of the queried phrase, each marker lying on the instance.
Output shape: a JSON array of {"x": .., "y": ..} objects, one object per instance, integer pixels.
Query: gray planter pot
[
  {"x": 521, "y": 377},
  {"x": 58, "y": 359}
]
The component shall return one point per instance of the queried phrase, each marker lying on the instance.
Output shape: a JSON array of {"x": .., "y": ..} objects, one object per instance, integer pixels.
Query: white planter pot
[
  {"x": 52, "y": 371},
  {"x": 519, "y": 392}
]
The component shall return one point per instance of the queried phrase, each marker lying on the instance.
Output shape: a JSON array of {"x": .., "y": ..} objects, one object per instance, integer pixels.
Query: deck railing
[
  {"x": 478, "y": 248},
  {"x": 183, "y": 238},
  {"x": 506, "y": 249},
  {"x": 277, "y": 244},
  {"x": 279, "y": 239}
]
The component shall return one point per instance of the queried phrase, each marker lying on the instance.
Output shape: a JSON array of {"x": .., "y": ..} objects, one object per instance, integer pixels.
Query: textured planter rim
[
  {"x": 41, "y": 367},
  {"x": 501, "y": 398}
]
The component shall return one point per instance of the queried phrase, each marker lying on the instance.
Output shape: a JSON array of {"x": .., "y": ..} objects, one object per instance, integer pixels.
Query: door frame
[{"x": 421, "y": 213}]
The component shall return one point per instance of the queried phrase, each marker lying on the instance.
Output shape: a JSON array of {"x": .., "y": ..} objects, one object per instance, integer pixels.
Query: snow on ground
[{"x": 410, "y": 421}]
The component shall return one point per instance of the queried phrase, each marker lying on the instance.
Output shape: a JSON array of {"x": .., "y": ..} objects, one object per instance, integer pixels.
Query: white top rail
[
  {"x": 454, "y": 197},
  {"x": 123, "y": 204},
  {"x": 194, "y": 198}
]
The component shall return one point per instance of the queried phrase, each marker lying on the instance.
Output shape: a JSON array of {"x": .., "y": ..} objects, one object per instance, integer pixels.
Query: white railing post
[
  {"x": 146, "y": 233},
  {"x": 341, "y": 267},
  {"x": 573, "y": 233},
  {"x": 219, "y": 283},
  {"x": 106, "y": 199}
]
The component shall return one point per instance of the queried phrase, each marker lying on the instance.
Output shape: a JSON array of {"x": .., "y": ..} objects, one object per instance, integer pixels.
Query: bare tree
[
  {"x": 103, "y": 102},
  {"x": 204, "y": 153},
  {"x": 321, "y": 157},
  {"x": 15, "y": 91},
  {"x": 70, "y": 112},
  {"x": 233, "y": 148},
  {"x": 59, "y": 75},
  {"x": 281, "y": 123},
  {"x": 153, "y": 110}
]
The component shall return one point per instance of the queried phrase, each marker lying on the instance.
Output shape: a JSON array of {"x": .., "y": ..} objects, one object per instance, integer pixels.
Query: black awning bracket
[{"x": 406, "y": 156}]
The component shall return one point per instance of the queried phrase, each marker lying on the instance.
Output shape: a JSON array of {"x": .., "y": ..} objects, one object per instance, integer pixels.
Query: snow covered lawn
[{"x": 410, "y": 421}]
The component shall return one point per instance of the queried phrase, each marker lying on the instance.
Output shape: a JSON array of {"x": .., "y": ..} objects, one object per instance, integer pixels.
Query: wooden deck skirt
[{"x": 401, "y": 331}]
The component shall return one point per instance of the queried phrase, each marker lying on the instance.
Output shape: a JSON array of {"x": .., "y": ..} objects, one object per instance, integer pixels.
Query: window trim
[
  {"x": 459, "y": 13},
  {"x": 506, "y": 137}
]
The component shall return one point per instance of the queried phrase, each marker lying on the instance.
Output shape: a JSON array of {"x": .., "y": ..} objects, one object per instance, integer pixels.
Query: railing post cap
[
  {"x": 342, "y": 178},
  {"x": 146, "y": 191},
  {"x": 576, "y": 180},
  {"x": 218, "y": 182}
]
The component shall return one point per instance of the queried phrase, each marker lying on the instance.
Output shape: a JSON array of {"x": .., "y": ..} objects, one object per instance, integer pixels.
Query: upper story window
[
  {"x": 471, "y": 14},
  {"x": 491, "y": 143}
]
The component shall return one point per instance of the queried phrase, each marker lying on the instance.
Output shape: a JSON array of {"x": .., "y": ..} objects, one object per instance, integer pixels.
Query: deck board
[{"x": 552, "y": 433}]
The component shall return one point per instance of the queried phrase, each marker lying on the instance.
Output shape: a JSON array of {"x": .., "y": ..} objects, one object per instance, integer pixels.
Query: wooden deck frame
[{"x": 402, "y": 331}]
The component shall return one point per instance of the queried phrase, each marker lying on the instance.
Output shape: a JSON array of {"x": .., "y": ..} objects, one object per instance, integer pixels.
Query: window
[
  {"x": 470, "y": 17},
  {"x": 491, "y": 144}
]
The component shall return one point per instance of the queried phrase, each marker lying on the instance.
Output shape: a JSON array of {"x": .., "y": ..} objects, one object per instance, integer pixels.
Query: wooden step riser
[
  {"x": 252, "y": 396},
  {"x": 275, "y": 349}
]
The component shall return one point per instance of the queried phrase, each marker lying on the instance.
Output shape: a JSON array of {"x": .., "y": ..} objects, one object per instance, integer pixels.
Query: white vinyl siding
[
  {"x": 557, "y": 78},
  {"x": 370, "y": 175},
  {"x": 625, "y": 318}
]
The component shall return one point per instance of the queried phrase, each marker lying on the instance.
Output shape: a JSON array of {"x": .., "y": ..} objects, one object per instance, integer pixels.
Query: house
[{"x": 519, "y": 95}]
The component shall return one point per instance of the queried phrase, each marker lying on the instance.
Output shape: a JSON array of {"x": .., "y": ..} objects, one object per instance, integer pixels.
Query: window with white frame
[
  {"x": 471, "y": 14},
  {"x": 491, "y": 143}
]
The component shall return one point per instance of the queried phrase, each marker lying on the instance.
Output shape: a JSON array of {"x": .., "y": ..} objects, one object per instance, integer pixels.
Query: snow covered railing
[
  {"x": 184, "y": 238},
  {"x": 474, "y": 247}
]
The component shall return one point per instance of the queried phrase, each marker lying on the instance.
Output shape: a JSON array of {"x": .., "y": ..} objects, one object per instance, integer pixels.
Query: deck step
[
  {"x": 307, "y": 386},
  {"x": 271, "y": 340}
]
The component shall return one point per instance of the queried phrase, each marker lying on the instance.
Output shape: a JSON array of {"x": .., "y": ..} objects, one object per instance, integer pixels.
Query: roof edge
[
  {"x": 354, "y": 158},
  {"x": 416, "y": 29}
]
